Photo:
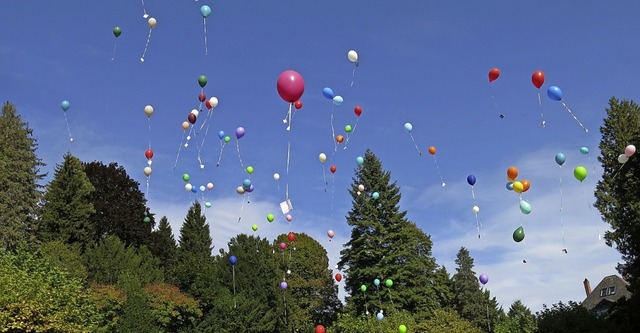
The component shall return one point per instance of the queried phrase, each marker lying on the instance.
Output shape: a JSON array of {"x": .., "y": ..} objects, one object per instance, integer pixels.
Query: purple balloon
[
  {"x": 250, "y": 189},
  {"x": 483, "y": 278},
  {"x": 283, "y": 285},
  {"x": 239, "y": 132}
]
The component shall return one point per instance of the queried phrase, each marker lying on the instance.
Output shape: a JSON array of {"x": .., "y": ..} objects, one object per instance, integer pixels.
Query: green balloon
[
  {"x": 402, "y": 329},
  {"x": 227, "y": 139},
  {"x": 363, "y": 288},
  {"x": 580, "y": 172},
  {"x": 254, "y": 227},
  {"x": 270, "y": 217},
  {"x": 249, "y": 169},
  {"x": 147, "y": 219},
  {"x": 186, "y": 177},
  {"x": 202, "y": 81},
  {"x": 117, "y": 32},
  {"x": 348, "y": 129},
  {"x": 388, "y": 283},
  {"x": 518, "y": 235}
]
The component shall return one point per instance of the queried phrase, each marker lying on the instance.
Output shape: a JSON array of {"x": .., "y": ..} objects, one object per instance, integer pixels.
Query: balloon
[
  {"x": 117, "y": 31},
  {"x": 518, "y": 234},
  {"x": 361, "y": 188},
  {"x": 560, "y": 158},
  {"x": 337, "y": 100},
  {"x": 320, "y": 329},
  {"x": 509, "y": 186},
  {"x": 380, "y": 316},
  {"x": 246, "y": 183},
  {"x": 152, "y": 22},
  {"x": 330, "y": 233},
  {"x": 147, "y": 171},
  {"x": 432, "y": 150},
  {"x": 207, "y": 204},
  {"x": 239, "y": 132},
  {"x": 291, "y": 237},
  {"x": 148, "y": 154},
  {"x": 518, "y": 187},
  {"x": 146, "y": 219},
  {"x": 408, "y": 127},
  {"x": 322, "y": 157},
  {"x": 376, "y": 282},
  {"x": 580, "y": 173},
  {"x": 352, "y": 55},
  {"x": 202, "y": 188},
  {"x": 483, "y": 278},
  {"x": 298, "y": 105},
  {"x": 338, "y": 277},
  {"x": 188, "y": 187},
  {"x": 512, "y": 173},
  {"x": 375, "y": 195},
  {"x": 148, "y": 110},
  {"x": 357, "y": 110},
  {"x": 363, "y": 288},
  {"x": 221, "y": 135},
  {"x": 333, "y": 169},
  {"x": 195, "y": 112},
  {"x": 202, "y": 81},
  {"x": 471, "y": 179},
  {"x": 208, "y": 105},
  {"x": 254, "y": 227},
  {"x": 227, "y": 138},
  {"x": 476, "y": 210},
  {"x": 290, "y": 86},
  {"x": 388, "y": 283},
  {"x": 186, "y": 177},
  {"x": 525, "y": 185},
  {"x": 629, "y": 150},
  {"x": 213, "y": 101},
  {"x": 339, "y": 138},
  {"x": 205, "y": 11},
  {"x": 283, "y": 285},
  {"x": 525, "y": 207},
  {"x": 202, "y": 97},
  {"x": 402, "y": 329},
  {"x": 359, "y": 160},
  {"x": 192, "y": 118},
  {"x": 194, "y": 189},
  {"x": 289, "y": 217},
  {"x": 584, "y": 150},
  {"x": 537, "y": 79},
  {"x": 209, "y": 186},
  {"x": 494, "y": 73},
  {"x": 240, "y": 190},
  {"x": 327, "y": 93},
  {"x": 282, "y": 246},
  {"x": 622, "y": 158},
  {"x": 65, "y": 105},
  {"x": 554, "y": 93},
  {"x": 185, "y": 125},
  {"x": 270, "y": 217},
  {"x": 233, "y": 260},
  {"x": 348, "y": 128},
  {"x": 276, "y": 176},
  {"x": 249, "y": 169}
]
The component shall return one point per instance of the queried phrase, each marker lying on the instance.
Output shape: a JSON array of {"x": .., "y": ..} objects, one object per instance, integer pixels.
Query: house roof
[{"x": 607, "y": 292}]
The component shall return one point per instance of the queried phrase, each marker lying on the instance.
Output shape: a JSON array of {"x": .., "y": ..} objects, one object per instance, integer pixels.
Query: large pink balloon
[{"x": 290, "y": 86}]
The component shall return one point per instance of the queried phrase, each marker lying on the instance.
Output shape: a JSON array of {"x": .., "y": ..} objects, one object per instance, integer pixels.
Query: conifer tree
[
  {"x": 195, "y": 236},
  {"x": 163, "y": 245}
]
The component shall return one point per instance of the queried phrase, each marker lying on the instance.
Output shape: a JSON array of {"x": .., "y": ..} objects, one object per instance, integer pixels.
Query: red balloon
[
  {"x": 298, "y": 105},
  {"x": 208, "y": 104},
  {"x": 202, "y": 97},
  {"x": 191, "y": 118},
  {"x": 291, "y": 236},
  {"x": 290, "y": 86},
  {"x": 339, "y": 139},
  {"x": 148, "y": 154},
  {"x": 333, "y": 169},
  {"x": 338, "y": 277},
  {"x": 537, "y": 79},
  {"x": 319, "y": 329},
  {"x": 357, "y": 110},
  {"x": 493, "y": 74}
]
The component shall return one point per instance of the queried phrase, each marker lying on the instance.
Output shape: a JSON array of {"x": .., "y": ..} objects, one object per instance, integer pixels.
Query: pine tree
[
  {"x": 163, "y": 245},
  {"x": 195, "y": 236},
  {"x": 519, "y": 320},
  {"x": 19, "y": 176},
  {"x": 384, "y": 245},
  {"x": 67, "y": 208}
]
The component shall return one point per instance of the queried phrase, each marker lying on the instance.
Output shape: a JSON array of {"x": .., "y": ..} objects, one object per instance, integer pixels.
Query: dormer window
[
  {"x": 603, "y": 292},
  {"x": 612, "y": 290}
]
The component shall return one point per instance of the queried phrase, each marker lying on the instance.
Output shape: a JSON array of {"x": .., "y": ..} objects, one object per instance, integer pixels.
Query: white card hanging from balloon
[{"x": 286, "y": 206}]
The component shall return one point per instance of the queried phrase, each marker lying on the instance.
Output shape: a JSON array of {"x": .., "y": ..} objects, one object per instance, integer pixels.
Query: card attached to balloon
[{"x": 286, "y": 206}]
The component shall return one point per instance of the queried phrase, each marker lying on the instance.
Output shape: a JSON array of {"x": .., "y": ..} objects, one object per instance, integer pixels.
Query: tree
[
  {"x": 163, "y": 246},
  {"x": 195, "y": 236},
  {"x": 472, "y": 303},
  {"x": 119, "y": 204},
  {"x": 19, "y": 176},
  {"x": 172, "y": 310},
  {"x": 519, "y": 320},
  {"x": 66, "y": 206},
  {"x": 384, "y": 245},
  {"x": 443, "y": 287},
  {"x": 445, "y": 321},
  {"x": 66, "y": 257},
  {"x": 136, "y": 310},
  {"x": 390, "y": 322},
  {"x": 568, "y": 318}
]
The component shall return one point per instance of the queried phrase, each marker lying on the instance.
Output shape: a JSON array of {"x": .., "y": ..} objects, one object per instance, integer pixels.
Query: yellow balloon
[{"x": 518, "y": 187}]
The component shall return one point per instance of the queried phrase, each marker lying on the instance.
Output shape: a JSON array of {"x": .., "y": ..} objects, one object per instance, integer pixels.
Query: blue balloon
[
  {"x": 246, "y": 183},
  {"x": 233, "y": 260},
  {"x": 509, "y": 186},
  {"x": 207, "y": 204},
  {"x": 375, "y": 195},
  {"x": 525, "y": 207},
  {"x": 360, "y": 160},
  {"x": 471, "y": 179},
  {"x": 380, "y": 316},
  {"x": 408, "y": 127},
  {"x": 337, "y": 100},
  {"x": 376, "y": 282},
  {"x": 560, "y": 158},
  {"x": 205, "y": 11},
  {"x": 202, "y": 188},
  {"x": 328, "y": 93},
  {"x": 65, "y": 105},
  {"x": 554, "y": 93},
  {"x": 584, "y": 150},
  {"x": 221, "y": 135},
  {"x": 194, "y": 189}
]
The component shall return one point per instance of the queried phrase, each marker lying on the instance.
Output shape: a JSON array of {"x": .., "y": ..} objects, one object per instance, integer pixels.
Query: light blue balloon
[
  {"x": 205, "y": 11},
  {"x": 380, "y": 316},
  {"x": 202, "y": 188},
  {"x": 408, "y": 127},
  {"x": 376, "y": 282},
  {"x": 509, "y": 186},
  {"x": 207, "y": 204},
  {"x": 65, "y": 105},
  {"x": 328, "y": 93},
  {"x": 375, "y": 195},
  {"x": 554, "y": 93},
  {"x": 337, "y": 100},
  {"x": 560, "y": 158},
  {"x": 246, "y": 183},
  {"x": 221, "y": 135},
  {"x": 360, "y": 160},
  {"x": 584, "y": 150},
  {"x": 525, "y": 207}
]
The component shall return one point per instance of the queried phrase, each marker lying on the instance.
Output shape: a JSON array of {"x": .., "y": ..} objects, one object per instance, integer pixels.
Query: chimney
[{"x": 587, "y": 286}]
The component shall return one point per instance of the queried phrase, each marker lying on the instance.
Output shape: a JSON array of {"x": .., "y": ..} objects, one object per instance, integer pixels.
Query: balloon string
[
  {"x": 241, "y": 207},
  {"x": 352, "y": 131},
  {"x": 239, "y": 157},
  {"x": 233, "y": 269},
  {"x": 495, "y": 104},
  {"x": 149, "y": 127},
  {"x": 206, "y": 49},
  {"x": 353, "y": 76},
  {"x": 574, "y": 117},
  {"x": 564, "y": 247},
  {"x": 439, "y": 173},
  {"x": 333, "y": 131},
  {"x": 179, "y": 149},
  {"x": 415, "y": 144},
  {"x": 544, "y": 123},
  {"x": 595, "y": 226},
  {"x": 145, "y": 15},
  {"x": 473, "y": 195},
  {"x": 290, "y": 115},
  {"x": 333, "y": 189},
  {"x": 324, "y": 177},
  {"x": 114, "y": 50},
  {"x": 286, "y": 192},
  {"x": 68, "y": 128},
  {"x": 146, "y": 46},
  {"x": 147, "y": 193},
  {"x": 222, "y": 144}
]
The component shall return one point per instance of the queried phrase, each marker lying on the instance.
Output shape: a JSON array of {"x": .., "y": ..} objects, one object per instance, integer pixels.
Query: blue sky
[{"x": 423, "y": 62}]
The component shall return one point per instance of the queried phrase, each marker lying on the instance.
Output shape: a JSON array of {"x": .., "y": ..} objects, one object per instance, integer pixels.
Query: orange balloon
[
  {"x": 339, "y": 138},
  {"x": 525, "y": 185},
  {"x": 512, "y": 173},
  {"x": 432, "y": 150}
]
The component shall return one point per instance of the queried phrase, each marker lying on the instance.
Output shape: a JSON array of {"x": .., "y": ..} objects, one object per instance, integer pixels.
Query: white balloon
[
  {"x": 337, "y": 100},
  {"x": 148, "y": 110},
  {"x": 240, "y": 190},
  {"x": 353, "y": 56},
  {"x": 276, "y": 176},
  {"x": 322, "y": 157},
  {"x": 147, "y": 171},
  {"x": 152, "y": 22},
  {"x": 213, "y": 101},
  {"x": 476, "y": 210},
  {"x": 188, "y": 187},
  {"x": 622, "y": 158},
  {"x": 361, "y": 188},
  {"x": 210, "y": 186},
  {"x": 195, "y": 112}
]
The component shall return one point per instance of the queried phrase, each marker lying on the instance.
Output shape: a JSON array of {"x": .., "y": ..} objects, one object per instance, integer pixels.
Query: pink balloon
[
  {"x": 290, "y": 86},
  {"x": 283, "y": 246},
  {"x": 330, "y": 233},
  {"x": 289, "y": 217},
  {"x": 630, "y": 150}
]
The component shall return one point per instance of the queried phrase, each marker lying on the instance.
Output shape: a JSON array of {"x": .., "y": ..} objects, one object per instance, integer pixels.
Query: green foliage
[
  {"x": 120, "y": 207},
  {"x": 19, "y": 176},
  {"x": 172, "y": 310},
  {"x": 66, "y": 205},
  {"x": 163, "y": 246},
  {"x": 445, "y": 321},
  {"x": 36, "y": 296},
  {"x": 568, "y": 318},
  {"x": 195, "y": 236},
  {"x": 137, "y": 316},
  {"x": 107, "y": 260},
  {"x": 385, "y": 245},
  {"x": 519, "y": 320},
  {"x": 66, "y": 257},
  {"x": 109, "y": 301},
  {"x": 348, "y": 323}
]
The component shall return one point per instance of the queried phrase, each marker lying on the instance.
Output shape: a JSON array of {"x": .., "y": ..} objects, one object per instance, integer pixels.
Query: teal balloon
[
  {"x": 360, "y": 160},
  {"x": 525, "y": 207},
  {"x": 205, "y": 11},
  {"x": 147, "y": 219},
  {"x": 560, "y": 158},
  {"x": 207, "y": 204},
  {"x": 337, "y": 100},
  {"x": 246, "y": 183},
  {"x": 375, "y": 195},
  {"x": 584, "y": 150},
  {"x": 376, "y": 282},
  {"x": 518, "y": 234},
  {"x": 65, "y": 105}
]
